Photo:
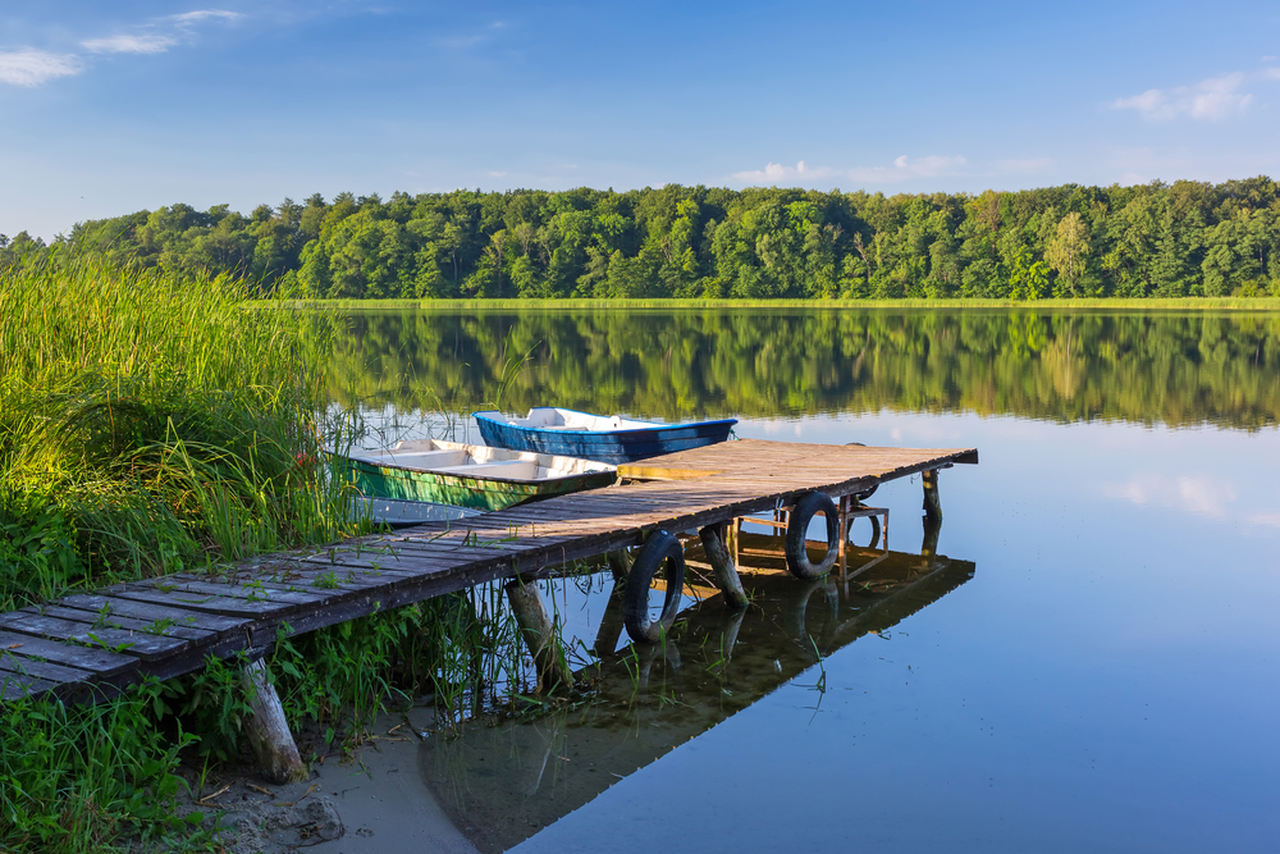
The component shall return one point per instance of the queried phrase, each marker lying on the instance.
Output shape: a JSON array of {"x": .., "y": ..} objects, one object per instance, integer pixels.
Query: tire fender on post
[
  {"x": 802, "y": 514},
  {"x": 660, "y": 549}
]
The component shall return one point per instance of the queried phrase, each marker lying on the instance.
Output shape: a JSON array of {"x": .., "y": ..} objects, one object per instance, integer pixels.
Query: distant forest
[{"x": 1153, "y": 240}]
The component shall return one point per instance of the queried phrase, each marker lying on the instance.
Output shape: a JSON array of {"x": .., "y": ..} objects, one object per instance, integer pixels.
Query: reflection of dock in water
[{"x": 501, "y": 784}]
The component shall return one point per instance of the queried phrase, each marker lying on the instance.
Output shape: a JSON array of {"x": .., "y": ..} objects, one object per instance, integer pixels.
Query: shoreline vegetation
[
  {"x": 150, "y": 424},
  {"x": 1186, "y": 239},
  {"x": 1268, "y": 303}
]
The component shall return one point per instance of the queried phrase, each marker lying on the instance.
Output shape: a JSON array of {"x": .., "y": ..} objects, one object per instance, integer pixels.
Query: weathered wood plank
[
  {"x": 40, "y": 668},
  {"x": 100, "y": 661},
  {"x": 163, "y": 626},
  {"x": 136, "y": 643},
  {"x": 95, "y": 603}
]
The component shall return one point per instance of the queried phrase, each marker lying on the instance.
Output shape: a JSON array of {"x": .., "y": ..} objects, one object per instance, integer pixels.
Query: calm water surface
[{"x": 1096, "y": 669}]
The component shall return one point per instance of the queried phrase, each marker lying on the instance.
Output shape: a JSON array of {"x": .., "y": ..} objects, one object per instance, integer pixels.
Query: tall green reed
[{"x": 160, "y": 422}]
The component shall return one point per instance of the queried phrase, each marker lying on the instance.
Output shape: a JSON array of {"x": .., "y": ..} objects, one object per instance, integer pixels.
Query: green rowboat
[{"x": 466, "y": 475}]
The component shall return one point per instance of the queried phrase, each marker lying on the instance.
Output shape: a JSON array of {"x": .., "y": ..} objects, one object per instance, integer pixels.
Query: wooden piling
[
  {"x": 266, "y": 728},
  {"x": 540, "y": 636},
  {"x": 717, "y": 551},
  {"x": 932, "y": 503}
]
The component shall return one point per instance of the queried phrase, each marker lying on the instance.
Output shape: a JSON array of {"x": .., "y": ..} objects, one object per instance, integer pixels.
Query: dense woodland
[{"x": 1185, "y": 239}]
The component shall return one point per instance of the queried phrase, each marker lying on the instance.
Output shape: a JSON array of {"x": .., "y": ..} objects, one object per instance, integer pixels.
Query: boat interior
[
  {"x": 479, "y": 460},
  {"x": 553, "y": 418}
]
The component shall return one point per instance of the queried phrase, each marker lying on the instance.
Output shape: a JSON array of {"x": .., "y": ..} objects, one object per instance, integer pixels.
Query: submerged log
[
  {"x": 713, "y": 545},
  {"x": 540, "y": 636},
  {"x": 267, "y": 730}
]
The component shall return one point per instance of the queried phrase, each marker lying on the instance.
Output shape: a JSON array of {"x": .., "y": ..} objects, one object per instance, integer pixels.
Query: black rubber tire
[
  {"x": 875, "y": 531},
  {"x": 802, "y": 513},
  {"x": 660, "y": 549}
]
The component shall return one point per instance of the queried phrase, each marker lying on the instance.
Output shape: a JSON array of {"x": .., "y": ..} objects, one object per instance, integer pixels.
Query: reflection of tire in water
[
  {"x": 661, "y": 551},
  {"x": 798, "y": 560},
  {"x": 647, "y": 654},
  {"x": 875, "y": 531},
  {"x": 809, "y": 617}
]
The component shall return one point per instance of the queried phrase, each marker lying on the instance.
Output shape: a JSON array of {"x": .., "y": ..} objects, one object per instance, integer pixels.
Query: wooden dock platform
[{"x": 90, "y": 645}]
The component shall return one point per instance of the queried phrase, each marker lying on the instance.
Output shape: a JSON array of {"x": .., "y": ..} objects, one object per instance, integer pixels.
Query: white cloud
[
  {"x": 130, "y": 44},
  {"x": 30, "y": 67},
  {"x": 902, "y": 169},
  {"x": 199, "y": 15},
  {"x": 1212, "y": 99}
]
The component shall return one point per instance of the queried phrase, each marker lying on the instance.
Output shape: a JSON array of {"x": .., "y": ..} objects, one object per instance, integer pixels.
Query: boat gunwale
[{"x": 482, "y": 415}]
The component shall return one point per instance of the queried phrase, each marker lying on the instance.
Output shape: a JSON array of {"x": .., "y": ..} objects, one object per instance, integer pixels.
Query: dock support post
[
  {"x": 266, "y": 728},
  {"x": 620, "y": 561},
  {"x": 932, "y": 503},
  {"x": 539, "y": 635},
  {"x": 713, "y": 544}
]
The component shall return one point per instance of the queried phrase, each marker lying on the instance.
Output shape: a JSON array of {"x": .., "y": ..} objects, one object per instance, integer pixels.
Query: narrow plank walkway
[{"x": 89, "y": 645}]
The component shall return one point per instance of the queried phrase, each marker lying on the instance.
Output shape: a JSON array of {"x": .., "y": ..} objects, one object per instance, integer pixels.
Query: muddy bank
[{"x": 373, "y": 800}]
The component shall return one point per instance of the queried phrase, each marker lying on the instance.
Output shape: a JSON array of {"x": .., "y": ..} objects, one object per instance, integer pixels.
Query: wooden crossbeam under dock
[{"x": 89, "y": 645}]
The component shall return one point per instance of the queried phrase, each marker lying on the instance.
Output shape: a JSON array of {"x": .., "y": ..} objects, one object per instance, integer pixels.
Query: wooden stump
[
  {"x": 727, "y": 579},
  {"x": 540, "y": 636},
  {"x": 267, "y": 730}
]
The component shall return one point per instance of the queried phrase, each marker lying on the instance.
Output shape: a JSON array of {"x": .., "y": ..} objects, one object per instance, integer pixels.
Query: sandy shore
[{"x": 373, "y": 801}]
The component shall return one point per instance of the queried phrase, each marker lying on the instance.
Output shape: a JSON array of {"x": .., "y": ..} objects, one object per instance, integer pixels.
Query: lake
[{"x": 1094, "y": 668}]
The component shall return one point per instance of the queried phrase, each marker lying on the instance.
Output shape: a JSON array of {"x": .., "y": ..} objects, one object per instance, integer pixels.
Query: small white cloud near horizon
[
  {"x": 152, "y": 43},
  {"x": 904, "y": 168},
  {"x": 30, "y": 67},
  {"x": 1212, "y": 99}
]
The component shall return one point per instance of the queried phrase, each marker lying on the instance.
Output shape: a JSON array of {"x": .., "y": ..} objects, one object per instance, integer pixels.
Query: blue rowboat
[{"x": 607, "y": 438}]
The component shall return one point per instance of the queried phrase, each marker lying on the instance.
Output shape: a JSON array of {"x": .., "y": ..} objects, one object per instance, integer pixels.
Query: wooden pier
[{"x": 90, "y": 645}]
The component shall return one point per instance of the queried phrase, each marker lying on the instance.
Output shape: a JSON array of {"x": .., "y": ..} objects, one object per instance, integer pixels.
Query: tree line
[{"x": 1154, "y": 240}]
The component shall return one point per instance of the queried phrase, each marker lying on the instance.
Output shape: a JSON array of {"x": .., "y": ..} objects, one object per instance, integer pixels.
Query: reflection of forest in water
[{"x": 1148, "y": 367}]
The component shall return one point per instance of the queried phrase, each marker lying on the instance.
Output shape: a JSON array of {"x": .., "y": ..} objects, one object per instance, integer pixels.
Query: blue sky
[{"x": 107, "y": 108}]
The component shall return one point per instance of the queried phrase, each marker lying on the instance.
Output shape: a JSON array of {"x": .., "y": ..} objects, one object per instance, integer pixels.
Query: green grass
[
  {"x": 1109, "y": 304},
  {"x": 148, "y": 423},
  {"x": 152, "y": 423}
]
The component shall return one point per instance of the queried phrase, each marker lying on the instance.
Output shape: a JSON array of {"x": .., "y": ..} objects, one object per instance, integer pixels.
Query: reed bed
[
  {"x": 148, "y": 423},
  {"x": 152, "y": 424}
]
